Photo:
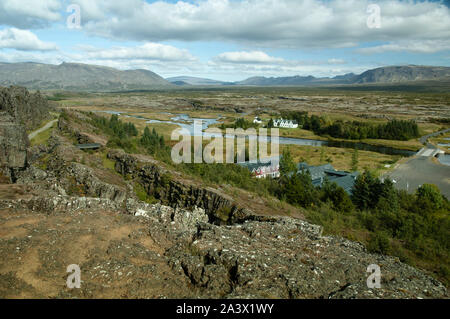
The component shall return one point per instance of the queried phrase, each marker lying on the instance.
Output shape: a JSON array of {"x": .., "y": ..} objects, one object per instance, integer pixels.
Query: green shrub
[{"x": 379, "y": 243}]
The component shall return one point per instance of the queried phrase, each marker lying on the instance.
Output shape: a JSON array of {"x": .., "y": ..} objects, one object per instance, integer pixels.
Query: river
[{"x": 186, "y": 123}]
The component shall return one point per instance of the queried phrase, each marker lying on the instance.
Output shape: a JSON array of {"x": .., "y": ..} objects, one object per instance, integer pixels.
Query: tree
[
  {"x": 287, "y": 164},
  {"x": 362, "y": 194},
  {"x": 429, "y": 197},
  {"x": 299, "y": 190},
  {"x": 339, "y": 199},
  {"x": 270, "y": 124}
]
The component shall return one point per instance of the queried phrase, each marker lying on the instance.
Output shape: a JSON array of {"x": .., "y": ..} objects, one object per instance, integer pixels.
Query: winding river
[{"x": 186, "y": 123}]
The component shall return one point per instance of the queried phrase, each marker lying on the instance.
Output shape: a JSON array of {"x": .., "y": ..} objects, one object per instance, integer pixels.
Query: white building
[
  {"x": 257, "y": 120},
  {"x": 285, "y": 123},
  {"x": 263, "y": 170}
]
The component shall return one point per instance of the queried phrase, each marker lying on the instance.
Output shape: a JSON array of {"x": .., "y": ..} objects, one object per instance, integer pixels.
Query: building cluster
[
  {"x": 263, "y": 170},
  {"x": 319, "y": 174},
  {"x": 281, "y": 123}
]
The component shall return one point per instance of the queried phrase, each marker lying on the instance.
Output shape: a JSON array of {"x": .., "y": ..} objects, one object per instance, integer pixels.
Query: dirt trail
[{"x": 42, "y": 129}]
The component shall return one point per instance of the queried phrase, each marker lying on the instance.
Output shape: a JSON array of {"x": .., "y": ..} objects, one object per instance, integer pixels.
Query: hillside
[
  {"x": 392, "y": 74},
  {"x": 263, "y": 81},
  {"x": 398, "y": 74},
  {"x": 190, "y": 80},
  {"x": 77, "y": 77}
]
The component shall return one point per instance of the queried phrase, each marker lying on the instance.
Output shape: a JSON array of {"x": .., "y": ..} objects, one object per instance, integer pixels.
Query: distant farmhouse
[
  {"x": 257, "y": 120},
  {"x": 263, "y": 170},
  {"x": 285, "y": 123},
  {"x": 345, "y": 180}
]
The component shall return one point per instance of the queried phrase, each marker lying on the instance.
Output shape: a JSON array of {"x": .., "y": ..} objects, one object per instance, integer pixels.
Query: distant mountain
[
  {"x": 180, "y": 83},
  {"x": 85, "y": 77},
  {"x": 345, "y": 77},
  {"x": 292, "y": 80},
  {"x": 397, "y": 74},
  {"x": 77, "y": 77},
  {"x": 190, "y": 80},
  {"x": 391, "y": 74}
]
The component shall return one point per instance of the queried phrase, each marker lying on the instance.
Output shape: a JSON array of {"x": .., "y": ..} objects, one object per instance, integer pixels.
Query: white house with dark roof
[
  {"x": 282, "y": 123},
  {"x": 257, "y": 120}
]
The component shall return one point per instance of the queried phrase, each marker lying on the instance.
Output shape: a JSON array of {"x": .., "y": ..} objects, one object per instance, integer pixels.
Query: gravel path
[{"x": 42, "y": 129}]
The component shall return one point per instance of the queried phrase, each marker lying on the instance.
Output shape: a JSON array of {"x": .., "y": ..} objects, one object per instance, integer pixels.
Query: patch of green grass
[
  {"x": 108, "y": 163},
  {"x": 43, "y": 137},
  {"x": 142, "y": 194}
]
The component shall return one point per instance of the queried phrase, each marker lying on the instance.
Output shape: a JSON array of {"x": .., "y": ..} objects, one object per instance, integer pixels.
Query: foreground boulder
[{"x": 19, "y": 110}]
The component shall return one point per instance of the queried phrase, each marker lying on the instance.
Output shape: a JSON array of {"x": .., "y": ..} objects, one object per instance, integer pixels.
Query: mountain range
[
  {"x": 389, "y": 75},
  {"x": 190, "y": 80},
  {"x": 77, "y": 77},
  {"x": 85, "y": 77}
]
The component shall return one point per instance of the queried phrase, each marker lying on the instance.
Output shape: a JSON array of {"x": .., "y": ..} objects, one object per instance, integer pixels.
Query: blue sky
[{"x": 229, "y": 39}]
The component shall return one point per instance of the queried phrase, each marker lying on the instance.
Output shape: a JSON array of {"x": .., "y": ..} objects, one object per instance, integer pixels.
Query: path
[{"x": 42, "y": 129}]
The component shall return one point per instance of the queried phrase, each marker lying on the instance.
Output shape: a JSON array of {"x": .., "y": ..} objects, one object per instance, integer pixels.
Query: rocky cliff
[
  {"x": 13, "y": 147},
  {"x": 220, "y": 208},
  {"x": 29, "y": 109},
  {"x": 19, "y": 111}
]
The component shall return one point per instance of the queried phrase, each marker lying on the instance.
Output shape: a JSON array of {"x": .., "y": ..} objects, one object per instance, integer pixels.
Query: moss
[
  {"x": 142, "y": 194},
  {"x": 43, "y": 162},
  {"x": 224, "y": 213},
  {"x": 75, "y": 188},
  {"x": 108, "y": 163}
]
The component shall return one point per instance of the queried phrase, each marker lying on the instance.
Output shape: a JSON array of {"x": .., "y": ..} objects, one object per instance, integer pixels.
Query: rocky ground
[
  {"x": 66, "y": 208},
  {"x": 154, "y": 251}
]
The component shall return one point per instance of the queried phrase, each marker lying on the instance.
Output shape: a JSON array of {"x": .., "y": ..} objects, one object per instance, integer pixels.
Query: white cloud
[
  {"x": 253, "y": 57},
  {"x": 29, "y": 13},
  {"x": 263, "y": 59},
  {"x": 259, "y": 63},
  {"x": 23, "y": 40},
  {"x": 336, "y": 61},
  {"x": 148, "y": 51},
  {"x": 266, "y": 23},
  {"x": 243, "y": 71},
  {"x": 427, "y": 46},
  {"x": 150, "y": 56}
]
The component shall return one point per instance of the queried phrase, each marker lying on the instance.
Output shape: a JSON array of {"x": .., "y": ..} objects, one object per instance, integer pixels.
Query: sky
[{"x": 228, "y": 40}]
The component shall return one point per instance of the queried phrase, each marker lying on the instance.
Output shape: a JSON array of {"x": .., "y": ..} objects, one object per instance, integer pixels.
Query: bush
[
  {"x": 339, "y": 199},
  {"x": 379, "y": 243},
  {"x": 429, "y": 197}
]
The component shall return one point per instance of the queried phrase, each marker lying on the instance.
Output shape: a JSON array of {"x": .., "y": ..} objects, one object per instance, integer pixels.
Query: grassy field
[{"x": 341, "y": 158}]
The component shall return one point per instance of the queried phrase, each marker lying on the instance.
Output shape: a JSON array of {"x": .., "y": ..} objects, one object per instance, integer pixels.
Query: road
[
  {"x": 42, "y": 129},
  {"x": 425, "y": 138},
  {"x": 421, "y": 169}
]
